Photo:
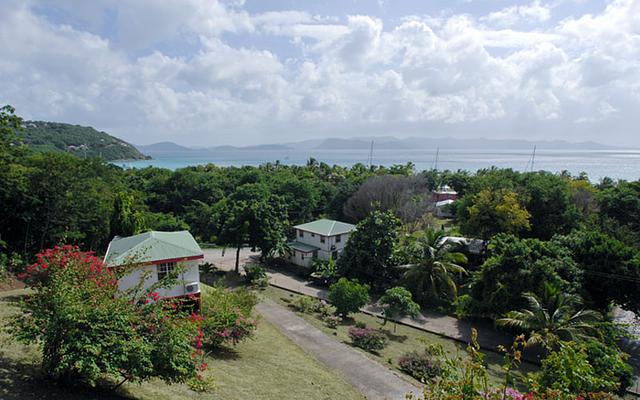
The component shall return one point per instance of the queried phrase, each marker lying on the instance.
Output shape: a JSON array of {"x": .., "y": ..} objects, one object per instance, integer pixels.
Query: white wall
[
  {"x": 313, "y": 239},
  {"x": 191, "y": 274},
  {"x": 296, "y": 258}
]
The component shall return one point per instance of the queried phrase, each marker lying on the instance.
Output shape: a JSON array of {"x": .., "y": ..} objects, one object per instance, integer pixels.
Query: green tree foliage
[
  {"x": 494, "y": 211},
  {"x": 251, "y": 216},
  {"x": 433, "y": 266},
  {"x": 611, "y": 269},
  {"x": 517, "y": 266},
  {"x": 620, "y": 211},
  {"x": 347, "y": 296},
  {"x": 368, "y": 255},
  {"x": 568, "y": 370},
  {"x": 87, "y": 330},
  {"x": 397, "y": 303},
  {"x": 552, "y": 318},
  {"x": 548, "y": 200},
  {"x": 124, "y": 220},
  {"x": 81, "y": 141},
  {"x": 227, "y": 316}
]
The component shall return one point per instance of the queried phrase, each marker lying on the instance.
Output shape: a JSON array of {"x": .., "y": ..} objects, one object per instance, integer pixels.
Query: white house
[
  {"x": 321, "y": 239},
  {"x": 156, "y": 254}
]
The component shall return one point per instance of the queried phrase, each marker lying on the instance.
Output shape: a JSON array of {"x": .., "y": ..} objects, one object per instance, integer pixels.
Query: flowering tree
[{"x": 87, "y": 332}]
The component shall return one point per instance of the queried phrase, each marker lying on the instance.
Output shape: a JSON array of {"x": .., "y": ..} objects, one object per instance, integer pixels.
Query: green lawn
[
  {"x": 268, "y": 367},
  {"x": 405, "y": 339}
]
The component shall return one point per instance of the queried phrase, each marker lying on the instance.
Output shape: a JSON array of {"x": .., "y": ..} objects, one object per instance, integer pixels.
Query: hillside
[{"x": 82, "y": 141}]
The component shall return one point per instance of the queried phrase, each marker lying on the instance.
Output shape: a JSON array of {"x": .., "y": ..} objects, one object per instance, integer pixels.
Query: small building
[
  {"x": 445, "y": 193},
  {"x": 321, "y": 239},
  {"x": 443, "y": 208},
  {"x": 156, "y": 254}
]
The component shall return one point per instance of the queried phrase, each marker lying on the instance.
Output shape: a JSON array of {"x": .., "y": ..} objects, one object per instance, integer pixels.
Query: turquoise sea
[{"x": 616, "y": 164}]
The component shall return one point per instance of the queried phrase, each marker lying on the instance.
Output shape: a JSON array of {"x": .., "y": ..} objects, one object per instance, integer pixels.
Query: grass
[
  {"x": 270, "y": 367},
  {"x": 405, "y": 338}
]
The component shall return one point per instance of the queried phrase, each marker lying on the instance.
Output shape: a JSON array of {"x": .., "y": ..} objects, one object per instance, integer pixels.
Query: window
[
  {"x": 313, "y": 235},
  {"x": 301, "y": 233},
  {"x": 315, "y": 254},
  {"x": 322, "y": 239},
  {"x": 338, "y": 238},
  {"x": 164, "y": 269},
  {"x": 302, "y": 256},
  {"x": 334, "y": 255}
]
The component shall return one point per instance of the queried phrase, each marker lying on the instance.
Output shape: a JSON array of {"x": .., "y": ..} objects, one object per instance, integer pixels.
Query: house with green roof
[
  {"x": 323, "y": 239},
  {"x": 152, "y": 255}
]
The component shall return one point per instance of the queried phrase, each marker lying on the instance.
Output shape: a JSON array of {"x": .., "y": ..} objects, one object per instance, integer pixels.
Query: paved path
[{"x": 372, "y": 379}]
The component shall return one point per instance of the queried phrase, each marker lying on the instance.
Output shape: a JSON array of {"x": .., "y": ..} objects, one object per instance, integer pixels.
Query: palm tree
[
  {"x": 552, "y": 318},
  {"x": 433, "y": 264}
]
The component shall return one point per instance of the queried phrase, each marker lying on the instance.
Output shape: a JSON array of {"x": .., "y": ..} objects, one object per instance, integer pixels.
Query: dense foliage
[
  {"x": 369, "y": 252},
  {"x": 347, "y": 296},
  {"x": 87, "y": 330},
  {"x": 227, "y": 316},
  {"x": 543, "y": 232},
  {"x": 82, "y": 141},
  {"x": 517, "y": 266}
]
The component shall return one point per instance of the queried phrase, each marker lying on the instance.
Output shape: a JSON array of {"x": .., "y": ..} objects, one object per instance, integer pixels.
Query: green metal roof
[
  {"x": 326, "y": 227},
  {"x": 151, "y": 246},
  {"x": 303, "y": 247}
]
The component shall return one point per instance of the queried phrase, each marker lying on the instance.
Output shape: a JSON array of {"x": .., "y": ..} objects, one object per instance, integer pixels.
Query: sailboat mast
[
  {"x": 371, "y": 155},
  {"x": 437, "y": 155},
  {"x": 533, "y": 157}
]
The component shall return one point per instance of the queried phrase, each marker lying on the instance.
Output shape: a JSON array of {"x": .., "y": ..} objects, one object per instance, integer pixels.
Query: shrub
[
  {"x": 348, "y": 295},
  {"x": 568, "y": 370},
  {"x": 226, "y": 316},
  {"x": 87, "y": 329},
  {"x": 422, "y": 366},
  {"x": 255, "y": 274},
  {"x": 332, "y": 321},
  {"x": 304, "y": 304},
  {"x": 325, "y": 309},
  {"x": 360, "y": 324},
  {"x": 367, "y": 338}
]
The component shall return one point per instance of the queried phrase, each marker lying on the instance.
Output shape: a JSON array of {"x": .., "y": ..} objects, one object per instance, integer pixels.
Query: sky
[{"x": 239, "y": 72}]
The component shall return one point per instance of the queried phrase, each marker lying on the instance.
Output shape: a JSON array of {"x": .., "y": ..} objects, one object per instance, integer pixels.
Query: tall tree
[
  {"x": 433, "y": 265},
  {"x": 124, "y": 220},
  {"x": 493, "y": 211},
  {"x": 517, "y": 266},
  {"x": 368, "y": 255},
  {"x": 251, "y": 216}
]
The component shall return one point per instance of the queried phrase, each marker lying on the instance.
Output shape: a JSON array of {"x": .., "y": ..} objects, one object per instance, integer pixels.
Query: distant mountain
[
  {"x": 379, "y": 143},
  {"x": 83, "y": 141},
  {"x": 252, "y": 148},
  {"x": 163, "y": 147},
  {"x": 390, "y": 143}
]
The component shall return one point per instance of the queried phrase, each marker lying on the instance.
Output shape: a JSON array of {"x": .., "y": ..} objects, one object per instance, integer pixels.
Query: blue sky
[{"x": 211, "y": 72}]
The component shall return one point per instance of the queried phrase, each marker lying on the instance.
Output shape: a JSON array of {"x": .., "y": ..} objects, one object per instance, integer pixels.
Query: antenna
[
  {"x": 533, "y": 157},
  {"x": 371, "y": 155}
]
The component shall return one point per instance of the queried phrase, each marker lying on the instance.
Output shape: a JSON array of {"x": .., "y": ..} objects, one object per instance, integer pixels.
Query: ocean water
[{"x": 616, "y": 164}]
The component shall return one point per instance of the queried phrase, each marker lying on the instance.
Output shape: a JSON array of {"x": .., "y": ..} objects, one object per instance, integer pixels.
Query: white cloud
[
  {"x": 360, "y": 75},
  {"x": 531, "y": 13}
]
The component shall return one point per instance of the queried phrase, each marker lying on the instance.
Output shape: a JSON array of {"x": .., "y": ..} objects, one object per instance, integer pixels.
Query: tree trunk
[{"x": 238, "y": 259}]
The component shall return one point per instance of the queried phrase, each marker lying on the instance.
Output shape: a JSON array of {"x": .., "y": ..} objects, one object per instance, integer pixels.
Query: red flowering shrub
[
  {"x": 87, "y": 330},
  {"x": 227, "y": 316}
]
